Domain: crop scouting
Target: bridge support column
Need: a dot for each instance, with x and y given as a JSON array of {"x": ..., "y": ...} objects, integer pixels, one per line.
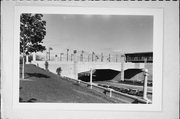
[
  {"x": 145, "y": 84},
  {"x": 110, "y": 92}
]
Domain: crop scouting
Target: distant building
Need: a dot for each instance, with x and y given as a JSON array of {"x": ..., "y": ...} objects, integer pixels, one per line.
[{"x": 140, "y": 57}]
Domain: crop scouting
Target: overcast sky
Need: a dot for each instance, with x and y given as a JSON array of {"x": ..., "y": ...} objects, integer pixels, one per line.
[{"x": 99, "y": 33}]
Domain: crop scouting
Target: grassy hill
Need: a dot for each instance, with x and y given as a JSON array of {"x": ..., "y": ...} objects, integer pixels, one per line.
[{"x": 44, "y": 86}]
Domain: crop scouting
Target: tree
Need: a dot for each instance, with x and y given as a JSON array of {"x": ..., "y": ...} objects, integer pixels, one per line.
[{"x": 32, "y": 32}]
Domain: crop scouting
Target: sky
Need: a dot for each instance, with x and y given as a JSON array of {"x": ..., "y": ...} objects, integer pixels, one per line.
[{"x": 99, "y": 33}]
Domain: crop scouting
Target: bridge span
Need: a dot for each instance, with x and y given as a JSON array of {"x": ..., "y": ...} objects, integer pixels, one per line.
[{"x": 71, "y": 69}]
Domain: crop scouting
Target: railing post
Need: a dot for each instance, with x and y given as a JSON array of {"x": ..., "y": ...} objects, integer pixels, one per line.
[
  {"x": 145, "y": 84},
  {"x": 110, "y": 92}
]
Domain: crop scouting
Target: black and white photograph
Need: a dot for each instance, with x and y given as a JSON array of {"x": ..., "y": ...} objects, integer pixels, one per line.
[
  {"x": 76, "y": 60},
  {"x": 70, "y": 58}
]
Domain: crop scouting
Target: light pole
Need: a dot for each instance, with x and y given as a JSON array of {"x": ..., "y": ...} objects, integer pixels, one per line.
[
  {"x": 101, "y": 57},
  {"x": 67, "y": 54},
  {"x": 82, "y": 55},
  {"x": 109, "y": 57},
  {"x": 61, "y": 54},
  {"x": 93, "y": 56},
  {"x": 122, "y": 67},
  {"x": 75, "y": 65},
  {"x": 116, "y": 57},
  {"x": 49, "y": 52},
  {"x": 71, "y": 57}
]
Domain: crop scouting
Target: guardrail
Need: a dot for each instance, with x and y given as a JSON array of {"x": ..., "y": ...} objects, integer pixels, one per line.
[{"x": 111, "y": 92}]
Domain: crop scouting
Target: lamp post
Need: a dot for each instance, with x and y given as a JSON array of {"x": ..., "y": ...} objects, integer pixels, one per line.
[
  {"x": 122, "y": 67},
  {"x": 67, "y": 54},
  {"x": 109, "y": 57},
  {"x": 49, "y": 52},
  {"x": 71, "y": 57},
  {"x": 61, "y": 54},
  {"x": 101, "y": 57},
  {"x": 75, "y": 65},
  {"x": 93, "y": 56},
  {"x": 116, "y": 57},
  {"x": 82, "y": 55}
]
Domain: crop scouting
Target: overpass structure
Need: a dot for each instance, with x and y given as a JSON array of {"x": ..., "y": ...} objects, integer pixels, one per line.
[{"x": 71, "y": 69}]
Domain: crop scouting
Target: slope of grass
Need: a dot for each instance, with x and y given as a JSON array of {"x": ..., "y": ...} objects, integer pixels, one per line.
[{"x": 44, "y": 86}]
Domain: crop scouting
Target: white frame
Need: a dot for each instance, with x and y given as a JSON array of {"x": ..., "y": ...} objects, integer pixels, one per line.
[{"x": 157, "y": 58}]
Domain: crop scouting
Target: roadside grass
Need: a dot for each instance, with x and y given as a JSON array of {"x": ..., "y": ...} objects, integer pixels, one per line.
[{"x": 40, "y": 85}]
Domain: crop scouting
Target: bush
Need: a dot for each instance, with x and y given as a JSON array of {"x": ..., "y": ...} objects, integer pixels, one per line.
[
  {"x": 46, "y": 65},
  {"x": 58, "y": 71}
]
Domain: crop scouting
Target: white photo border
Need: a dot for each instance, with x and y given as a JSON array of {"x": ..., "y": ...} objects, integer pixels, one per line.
[{"x": 157, "y": 58}]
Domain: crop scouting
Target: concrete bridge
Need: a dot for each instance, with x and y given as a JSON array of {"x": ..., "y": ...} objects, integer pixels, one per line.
[{"x": 71, "y": 69}]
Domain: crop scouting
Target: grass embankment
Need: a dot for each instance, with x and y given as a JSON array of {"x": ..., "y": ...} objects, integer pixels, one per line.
[{"x": 44, "y": 86}]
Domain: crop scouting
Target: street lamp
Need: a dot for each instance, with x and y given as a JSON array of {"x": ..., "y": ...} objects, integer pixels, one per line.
[
  {"x": 67, "y": 54},
  {"x": 49, "y": 52},
  {"x": 61, "y": 54},
  {"x": 122, "y": 66}
]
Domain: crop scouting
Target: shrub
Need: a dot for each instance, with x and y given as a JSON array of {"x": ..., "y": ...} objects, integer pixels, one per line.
[
  {"x": 46, "y": 65},
  {"x": 58, "y": 71}
]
